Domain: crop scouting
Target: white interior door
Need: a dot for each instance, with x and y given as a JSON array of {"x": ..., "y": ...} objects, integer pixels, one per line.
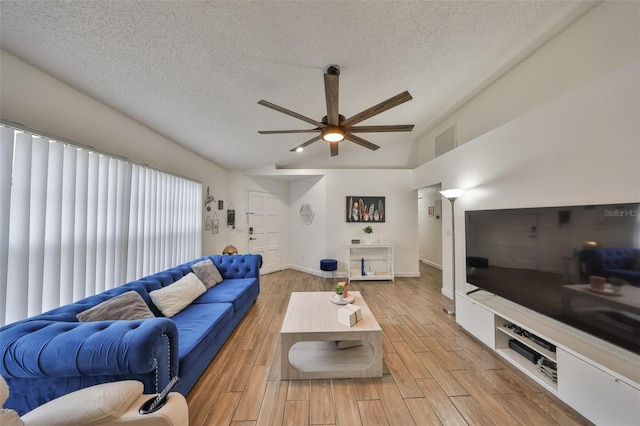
[
  {"x": 513, "y": 239},
  {"x": 264, "y": 217}
]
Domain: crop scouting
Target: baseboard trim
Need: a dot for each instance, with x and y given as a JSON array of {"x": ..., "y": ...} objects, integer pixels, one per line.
[
  {"x": 317, "y": 272},
  {"x": 338, "y": 274},
  {"x": 432, "y": 264}
]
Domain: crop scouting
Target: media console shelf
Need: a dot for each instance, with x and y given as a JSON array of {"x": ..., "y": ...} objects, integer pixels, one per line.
[
  {"x": 599, "y": 380},
  {"x": 378, "y": 258},
  {"x": 505, "y": 335}
]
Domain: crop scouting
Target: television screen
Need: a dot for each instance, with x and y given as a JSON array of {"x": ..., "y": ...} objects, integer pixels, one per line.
[{"x": 577, "y": 264}]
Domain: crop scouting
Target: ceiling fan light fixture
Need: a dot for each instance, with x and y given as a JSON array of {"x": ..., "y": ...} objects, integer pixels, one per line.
[
  {"x": 333, "y": 134},
  {"x": 333, "y": 128},
  {"x": 299, "y": 149}
]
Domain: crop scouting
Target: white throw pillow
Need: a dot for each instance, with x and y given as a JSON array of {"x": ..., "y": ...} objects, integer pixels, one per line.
[{"x": 177, "y": 296}]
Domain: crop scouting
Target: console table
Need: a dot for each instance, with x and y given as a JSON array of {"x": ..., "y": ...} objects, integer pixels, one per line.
[{"x": 378, "y": 258}]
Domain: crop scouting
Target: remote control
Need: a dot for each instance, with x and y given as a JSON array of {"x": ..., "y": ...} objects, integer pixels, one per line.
[{"x": 156, "y": 403}]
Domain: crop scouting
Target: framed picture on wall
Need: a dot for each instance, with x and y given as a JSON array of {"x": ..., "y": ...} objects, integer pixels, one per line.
[
  {"x": 366, "y": 209},
  {"x": 430, "y": 211}
]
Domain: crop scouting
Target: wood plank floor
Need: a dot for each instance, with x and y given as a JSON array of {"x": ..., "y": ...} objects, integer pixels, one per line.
[{"x": 435, "y": 373}]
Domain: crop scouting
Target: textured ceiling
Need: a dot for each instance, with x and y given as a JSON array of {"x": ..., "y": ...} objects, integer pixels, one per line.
[{"x": 194, "y": 71}]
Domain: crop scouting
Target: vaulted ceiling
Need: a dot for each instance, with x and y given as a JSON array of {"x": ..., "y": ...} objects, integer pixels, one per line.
[{"x": 194, "y": 71}]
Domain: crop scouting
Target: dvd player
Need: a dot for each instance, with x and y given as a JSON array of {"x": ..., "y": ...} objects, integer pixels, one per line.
[{"x": 524, "y": 350}]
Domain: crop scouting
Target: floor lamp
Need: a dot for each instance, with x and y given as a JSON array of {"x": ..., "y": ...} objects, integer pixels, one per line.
[{"x": 452, "y": 195}]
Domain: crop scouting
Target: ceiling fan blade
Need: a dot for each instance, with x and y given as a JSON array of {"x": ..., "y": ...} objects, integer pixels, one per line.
[
  {"x": 309, "y": 142},
  {"x": 331, "y": 94},
  {"x": 377, "y": 109},
  {"x": 334, "y": 148},
  {"x": 373, "y": 129},
  {"x": 361, "y": 142},
  {"x": 273, "y": 132},
  {"x": 290, "y": 113}
]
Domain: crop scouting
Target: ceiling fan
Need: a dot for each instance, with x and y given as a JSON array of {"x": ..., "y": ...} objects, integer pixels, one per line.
[{"x": 334, "y": 127}]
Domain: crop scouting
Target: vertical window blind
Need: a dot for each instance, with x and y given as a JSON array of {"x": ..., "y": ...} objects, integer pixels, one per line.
[{"x": 74, "y": 222}]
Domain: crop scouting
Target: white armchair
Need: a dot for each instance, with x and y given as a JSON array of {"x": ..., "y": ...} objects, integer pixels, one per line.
[{"x": 114, "y": 403}]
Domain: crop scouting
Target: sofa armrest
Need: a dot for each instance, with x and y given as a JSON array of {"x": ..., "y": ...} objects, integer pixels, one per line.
[
  {"x": 104, "y": 403},
  {"x": 68, "y": 349}
]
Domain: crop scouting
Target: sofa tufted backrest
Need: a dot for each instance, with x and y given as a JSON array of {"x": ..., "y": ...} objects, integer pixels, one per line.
[
  {"x": 617, "y": 257},
  {"x": 238, "y": 266},
  {"x": 230, "y": 266}
]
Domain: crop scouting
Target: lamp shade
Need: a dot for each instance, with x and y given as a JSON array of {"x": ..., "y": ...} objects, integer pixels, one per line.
[
  {"x": 452, "y": 194},
  {"x": 333, "y": 134}
]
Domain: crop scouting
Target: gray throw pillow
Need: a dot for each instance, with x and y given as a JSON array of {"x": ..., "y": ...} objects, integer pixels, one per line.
[
  {"x": 127, "y": 306},
  {"x": 207, "y": 272}
]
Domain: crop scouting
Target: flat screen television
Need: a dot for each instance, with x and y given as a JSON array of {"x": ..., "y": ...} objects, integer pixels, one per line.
[{"x": 554, "y": 261}]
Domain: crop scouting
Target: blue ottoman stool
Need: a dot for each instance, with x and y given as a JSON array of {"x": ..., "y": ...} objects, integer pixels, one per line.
[{"x": 329, "y": 265}]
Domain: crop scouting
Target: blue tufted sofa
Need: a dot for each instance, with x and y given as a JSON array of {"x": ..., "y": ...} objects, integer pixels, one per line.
[
  {"x": 52, "y": 354},
  {"x": 621, "y": 262}
]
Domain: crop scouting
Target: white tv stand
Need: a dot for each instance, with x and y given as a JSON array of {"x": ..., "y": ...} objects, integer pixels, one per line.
[{"x": 599, "y": 380}]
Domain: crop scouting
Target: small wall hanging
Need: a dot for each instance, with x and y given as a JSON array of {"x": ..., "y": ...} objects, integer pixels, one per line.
[
  {"x": 208, "y": 200},
  {"x": 220, "y": 204},
  {"x": 215, "y": 226},
  {"x": 231, "y": 216},
  {"x": 306, "y": 214},
  {"x": 208, "y": 224}
]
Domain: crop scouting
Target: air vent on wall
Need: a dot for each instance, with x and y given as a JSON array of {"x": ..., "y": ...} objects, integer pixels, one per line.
[{"x": 446, "y": 141}]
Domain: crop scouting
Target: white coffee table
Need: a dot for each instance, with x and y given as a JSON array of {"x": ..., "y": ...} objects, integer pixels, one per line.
[{"x": 309, "y": 334}]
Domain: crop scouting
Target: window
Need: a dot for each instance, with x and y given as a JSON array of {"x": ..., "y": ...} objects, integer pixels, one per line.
[{"x": 75, "y": 222}]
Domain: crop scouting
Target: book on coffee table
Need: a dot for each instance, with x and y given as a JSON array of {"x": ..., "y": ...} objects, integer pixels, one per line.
[{"x": 346, "y": 344}]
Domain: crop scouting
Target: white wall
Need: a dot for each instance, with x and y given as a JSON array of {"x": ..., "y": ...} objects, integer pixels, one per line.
[
  {"x": 327, "y": 191},
  {"x": 602, "y": 41},
  {"x": 39, "y": 101},
  {"x": 308, "y": 242},
  {"x": 238, "y": 186},
  {"x": 430, "y": 227},
  {"x": 401, "y": 214}
]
